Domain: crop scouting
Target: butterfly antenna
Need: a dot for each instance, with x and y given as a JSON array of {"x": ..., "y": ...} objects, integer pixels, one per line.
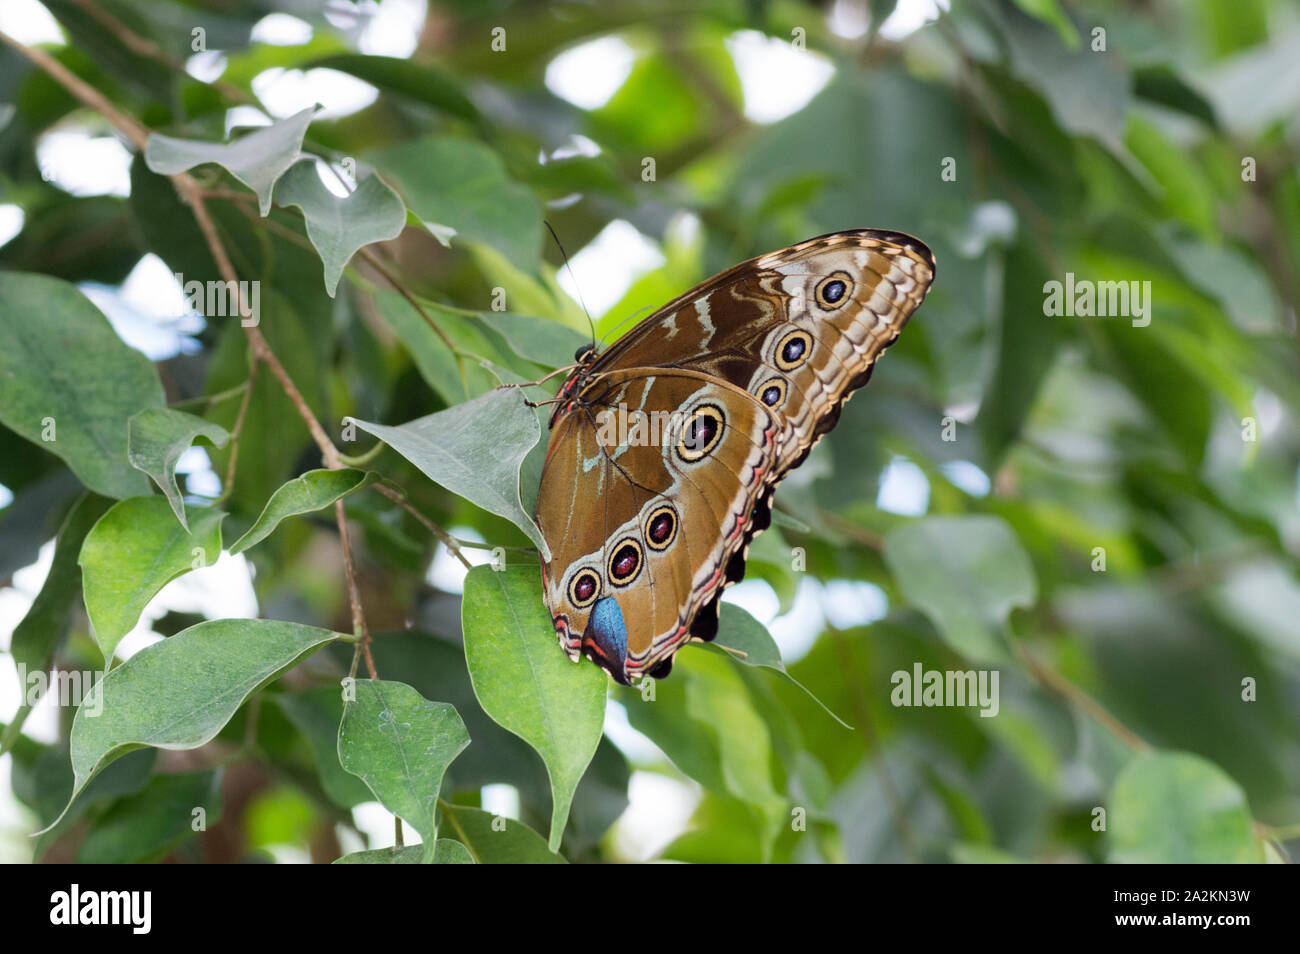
[
  {"x": 622, "y": 324},
  {"x": 574, "y": 278}
]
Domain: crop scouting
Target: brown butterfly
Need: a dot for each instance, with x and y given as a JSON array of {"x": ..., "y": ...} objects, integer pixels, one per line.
[{"x": 665, "y": 449}]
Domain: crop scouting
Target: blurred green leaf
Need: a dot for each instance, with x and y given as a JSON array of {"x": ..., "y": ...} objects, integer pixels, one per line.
[
  {"x": 539, "y": 340},
  {"x": 147, "y": 825},
  {"x": 1050, "y": 12},
  {"x": 1175, "y": 808},
  {"x": 457, "y": 375},
  {"x": 719, "y": 703},
  {"x": 419, "y": 81},
  {"x": 966, "y": 573},
  {"x": 316, "y": 713},
  {"x": 463, "y": 185},
  {"x": 747, "y": 640},
  {"x": 36, "y": 637}
]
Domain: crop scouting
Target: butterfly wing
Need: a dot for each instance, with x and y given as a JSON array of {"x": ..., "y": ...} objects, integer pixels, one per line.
[
  {"x": 774, "y": 347},
  {"x": 643, "y": 510},
  {"x": 781, "y": 327}
]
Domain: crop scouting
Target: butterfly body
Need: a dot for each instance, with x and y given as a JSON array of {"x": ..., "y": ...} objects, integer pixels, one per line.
[{"x": 666, "y": 448}]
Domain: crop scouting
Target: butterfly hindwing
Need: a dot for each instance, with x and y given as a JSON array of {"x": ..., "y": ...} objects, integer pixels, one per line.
[
  {"x": 652, "y": 519},
  {"x": 746, "y": 372}
]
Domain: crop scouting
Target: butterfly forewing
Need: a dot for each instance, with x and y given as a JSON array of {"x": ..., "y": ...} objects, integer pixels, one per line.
[{"x": 660, "y": 467}]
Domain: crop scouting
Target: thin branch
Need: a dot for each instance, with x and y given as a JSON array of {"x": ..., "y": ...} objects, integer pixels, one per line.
[
  {"x": 447, "y": 539},
  {"x": 238, "y": 429},
  {"x": 375, "y": 263},
  {"x": 1055, "y": 681},
  {"x": 856, "y": 533},
  {"x": 83, "y": 91},
  {"x": 354, "y": 593},
  {"x": 207, "y": 400},
  {"x": 148, "y": 49}
]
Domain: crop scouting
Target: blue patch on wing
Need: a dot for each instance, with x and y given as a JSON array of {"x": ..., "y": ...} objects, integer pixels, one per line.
[{"x": 607, "y": 631}]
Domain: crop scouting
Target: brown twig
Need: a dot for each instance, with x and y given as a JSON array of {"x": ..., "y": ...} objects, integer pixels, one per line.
[
  {"x": 82, "y": 90},
  {"x": 855, "y": 532},
  {"x": 1048, "y": 677},
  {"x": 374, "y": 262},
  {"x": 148, "y": 49},
  {"x": 447, "y": 539},
  {"x": 238, "y": 429},
  {"x": 354, "y": 593}
]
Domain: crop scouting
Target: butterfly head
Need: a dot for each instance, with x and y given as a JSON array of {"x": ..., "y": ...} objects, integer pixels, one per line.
[{"x": 583, "y": 359}]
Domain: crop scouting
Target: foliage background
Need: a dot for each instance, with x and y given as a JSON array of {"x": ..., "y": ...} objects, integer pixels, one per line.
[{"x": 1121, "y": 688}]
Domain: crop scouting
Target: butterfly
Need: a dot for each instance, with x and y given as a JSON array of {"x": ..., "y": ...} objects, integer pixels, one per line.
[{"x": 665, "y": 449}]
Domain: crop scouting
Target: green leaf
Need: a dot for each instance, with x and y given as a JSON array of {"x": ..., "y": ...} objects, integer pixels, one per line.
[
  {"x": 149, "y": 824},
  {"x": 474, "y": 450},
  {"x": 509, "y": 843},
  {"x": 133, "y": 552},
  {"x": 1177, "y": 808},
  {"x": 749, "y": 642},
  {"x": 306, "y": 493},
  {"x": 539, "y": 340},
  {"x": 1025, "y": 351},
  {"x": 526, "y": 683},
  {"x": 664, "y": 720},
  {"x": 1255, "y": 88},
  {"x": 446, "y": 852},
  {"x": 1050, "y": 12},
  {"x": 420, "y": 81},
  {"x": 178, "y": 694},
  {"x": 338, "y": 227},
  {"x": 316, "y": 713},
  {"x": 966, "y": 573},
  {"x": 400, "y": 745},
  {"x": 718, "y": 701},
  {"x": 51, "y": 781},
  {"x": 456, "y": 375},
  {"x": 37, "y": 635},
  {"x": 463, "y": 184},
  {"x": 68, "y": 383},
  {"x": 1088, "y": 93},
  {"x": 969, "y": 853},
  {"x": 258, "y": 159},
  {"x": 156, "y": 439}
]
